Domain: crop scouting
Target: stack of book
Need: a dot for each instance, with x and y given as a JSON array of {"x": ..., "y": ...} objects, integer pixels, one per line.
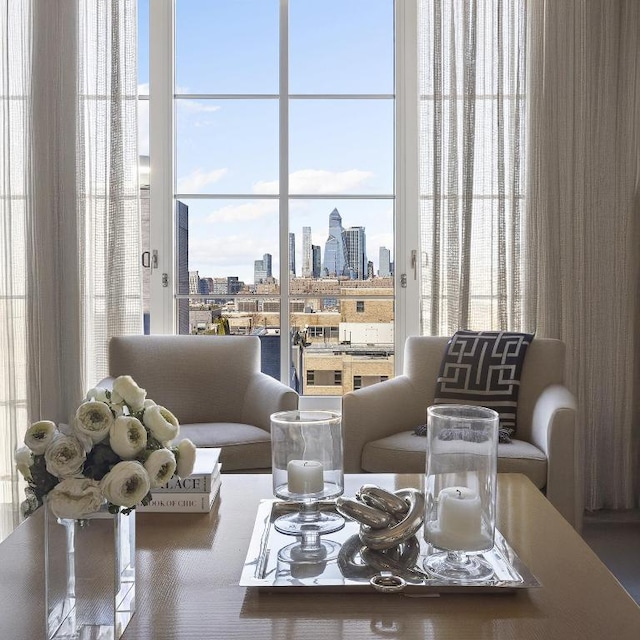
[{"x": 194, "y": 494}]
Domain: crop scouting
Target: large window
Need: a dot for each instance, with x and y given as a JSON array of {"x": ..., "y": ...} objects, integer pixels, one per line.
[
  {"x": 333, "y": 175},
  {"x": 277, "y": 151}
]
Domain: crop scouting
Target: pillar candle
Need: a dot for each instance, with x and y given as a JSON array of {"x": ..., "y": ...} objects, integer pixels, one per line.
[
  {"x": 459, "y": 523},
  {"x": 305, "y": 476}
]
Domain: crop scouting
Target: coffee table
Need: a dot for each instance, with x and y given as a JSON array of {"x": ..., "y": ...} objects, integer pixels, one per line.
[{"x": 189, "y": 566}]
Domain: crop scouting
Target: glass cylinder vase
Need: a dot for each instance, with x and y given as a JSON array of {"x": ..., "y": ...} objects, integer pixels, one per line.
[
  {"x": 460, "y": 490},
  {"x": 90, "y": 575}
]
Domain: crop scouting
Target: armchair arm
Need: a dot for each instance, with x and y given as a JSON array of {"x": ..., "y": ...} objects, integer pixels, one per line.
[
  {"x": 554, "y": 430},
  {"x": 266, "y": 395},
  {"x": 378, "y": 411}
]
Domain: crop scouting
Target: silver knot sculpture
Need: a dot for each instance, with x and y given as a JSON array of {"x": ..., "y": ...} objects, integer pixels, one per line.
[{"x": 386, "y": 519}]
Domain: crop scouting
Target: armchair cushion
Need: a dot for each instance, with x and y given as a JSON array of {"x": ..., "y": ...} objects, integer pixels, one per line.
[
  {"x": 484, "y": 368},
  {"x": 245, "y": 447}
]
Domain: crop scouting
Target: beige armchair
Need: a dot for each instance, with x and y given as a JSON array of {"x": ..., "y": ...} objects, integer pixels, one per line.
[
  {"x": 378, "y": 422},
  {"x": 214, "y": 386}
]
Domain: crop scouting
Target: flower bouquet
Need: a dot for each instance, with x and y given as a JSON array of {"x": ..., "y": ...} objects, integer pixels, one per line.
[{"x": 116, "y": 451}]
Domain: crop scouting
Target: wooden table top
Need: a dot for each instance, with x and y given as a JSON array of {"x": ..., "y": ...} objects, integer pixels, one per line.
[{"x": 189, "y": 566}]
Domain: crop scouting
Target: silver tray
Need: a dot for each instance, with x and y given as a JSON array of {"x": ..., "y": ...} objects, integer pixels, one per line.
[{"x": 349, "y": 572}]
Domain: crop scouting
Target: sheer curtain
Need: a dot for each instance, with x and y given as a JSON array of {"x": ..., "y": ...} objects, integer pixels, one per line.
[
  {"x": 583, "y": 211},
  {"x": 69, "y": 220},
  {"x": 472, "y": 139}
]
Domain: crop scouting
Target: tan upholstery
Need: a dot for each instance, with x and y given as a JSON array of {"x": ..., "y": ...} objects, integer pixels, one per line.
[
  {"x": 214, "y": 386},
  {"x": 378, "y": 422}
]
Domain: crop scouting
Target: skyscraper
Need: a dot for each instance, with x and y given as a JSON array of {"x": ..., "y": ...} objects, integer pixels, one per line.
[
  {"x": 194, "y": 282},
  {"x": 262, "y": 269},
  {"x": 259, "y": 272},
  {"x": 182, "y": 274},
  {"x": 356, "y": 245},
  {"x": 307, "y": 257},
  {"x": 317, "y": 260},
  {"x": 384, "y": 262},
  {"x": 335, "y": 251},
  {"x": 292, "y": 254},
  {"x": 267, "y": 259}
]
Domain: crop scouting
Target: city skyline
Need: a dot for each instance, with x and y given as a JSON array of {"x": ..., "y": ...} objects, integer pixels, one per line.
[{"x": 352, "y": 263}]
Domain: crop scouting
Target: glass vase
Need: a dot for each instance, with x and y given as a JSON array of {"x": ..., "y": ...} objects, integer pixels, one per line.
[
  {"x": 90, "y": 575},
  {"x": 460, "y": 490}
]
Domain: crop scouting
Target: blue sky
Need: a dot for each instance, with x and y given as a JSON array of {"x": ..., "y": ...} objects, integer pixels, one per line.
[{"x": 229, "y": 146}]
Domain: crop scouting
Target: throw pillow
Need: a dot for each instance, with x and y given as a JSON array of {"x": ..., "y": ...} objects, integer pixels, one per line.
[{"x": 484, "y": 368}]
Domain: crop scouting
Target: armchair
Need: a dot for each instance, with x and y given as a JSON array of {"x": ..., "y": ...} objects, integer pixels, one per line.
[
  {"x": 378, "y": 422},
  {"x": 213, "y": 385}
]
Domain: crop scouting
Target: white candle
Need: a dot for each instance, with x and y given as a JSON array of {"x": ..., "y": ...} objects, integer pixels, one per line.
[
  {"x": 459, "y": 523},
  {"x": 305, "y": 476}
]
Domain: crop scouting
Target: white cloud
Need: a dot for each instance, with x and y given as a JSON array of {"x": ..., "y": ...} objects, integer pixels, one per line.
[
  {"x": 199, "y": 179},
  {"x": 246, "y": 211},
  {"x": 317, "y": 182},
  {"x": 194, "y": 106},
  {"x": 223, "y": 251},
  {"x": 221, "y": 255},
  {"x": 377, "y": 240}
]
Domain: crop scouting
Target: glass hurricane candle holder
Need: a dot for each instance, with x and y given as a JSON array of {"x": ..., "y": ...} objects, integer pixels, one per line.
[
  {"x": 307, "y": 467},
  {"x": 460, "y": 490}
]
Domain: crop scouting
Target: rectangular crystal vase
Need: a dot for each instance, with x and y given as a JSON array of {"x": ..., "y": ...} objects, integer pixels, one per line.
[{"x": 90, "y": 575}]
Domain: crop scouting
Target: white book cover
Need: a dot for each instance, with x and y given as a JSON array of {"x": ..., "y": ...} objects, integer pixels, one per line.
[
  {"x": 183, "y": 501},
  {"x": 205, "y": 470}
]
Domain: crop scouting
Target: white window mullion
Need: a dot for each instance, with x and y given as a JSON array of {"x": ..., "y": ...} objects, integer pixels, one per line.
[
  {"x": 407, "y": 231},
  {"x": 285, "y": 322},
  {"x": 161, "y": 158}
]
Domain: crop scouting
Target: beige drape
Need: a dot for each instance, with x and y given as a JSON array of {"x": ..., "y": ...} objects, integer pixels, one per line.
[
  {"x": 530, "y": 198},
  {"x": 583, "y": 215},
  {"x": 69, "y": 220},
  {"x": 472, "y": 136}
]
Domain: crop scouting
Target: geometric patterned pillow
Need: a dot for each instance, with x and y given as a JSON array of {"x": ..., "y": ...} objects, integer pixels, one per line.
[{"x": 484, "y": 368}]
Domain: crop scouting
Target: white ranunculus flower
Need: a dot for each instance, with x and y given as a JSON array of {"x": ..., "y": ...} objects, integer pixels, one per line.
[
  {"x": 118, "y": 410},
  {"x": 186, "y": 456},
  {"x": 93, "y": 420},
  {"x": 39, "y": 435},
  {"x": 127, "y": 437},
  {"x": 148, "y": 402},
  {"x": 125, "y": 389},
  {"x": 75, "y": 498},
  {"x": 160, "y": 465},
  {"x": 97, "y": 393},
  {"x": 161, "y": 422},
  {"x": 24, "y": 459},
  {"x": 126, "y": 484},
  {"x": 65, "y": 457}
]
